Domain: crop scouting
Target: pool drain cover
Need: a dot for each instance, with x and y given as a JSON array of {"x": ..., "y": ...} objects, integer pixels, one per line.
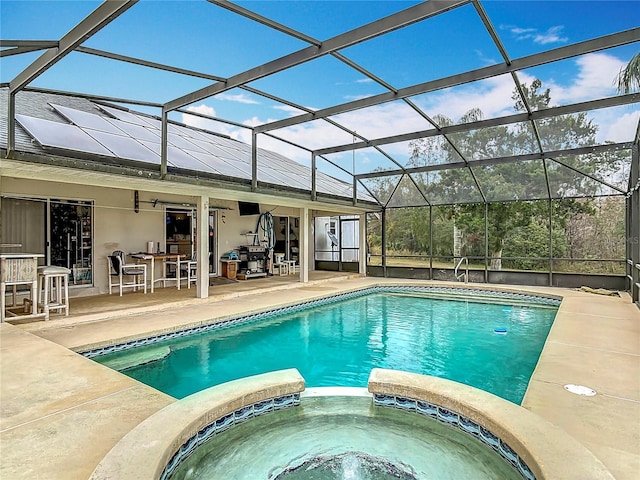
[
  {"x": 580, "y": 390},
  {"x": 356, "y": 465}
]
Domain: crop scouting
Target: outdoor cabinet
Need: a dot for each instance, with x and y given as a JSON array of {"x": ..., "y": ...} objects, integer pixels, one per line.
[{"x": 230, "y": 269}]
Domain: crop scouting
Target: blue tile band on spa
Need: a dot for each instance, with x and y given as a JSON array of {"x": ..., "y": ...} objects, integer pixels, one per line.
[
  {"x": 454, "y": 293},
  {"x": 461, "y": 422},
  {"x": 224, "y": 423}
]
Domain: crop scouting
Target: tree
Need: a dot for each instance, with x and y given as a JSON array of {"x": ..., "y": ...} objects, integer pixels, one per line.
[
  {"x": 628, "y": 78},
  {"x": 506, "y": 184}
]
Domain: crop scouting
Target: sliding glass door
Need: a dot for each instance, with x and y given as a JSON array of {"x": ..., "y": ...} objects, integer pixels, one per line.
[
  {"x": 71, "y": 237},
  {"x": 61, "y": 230}
]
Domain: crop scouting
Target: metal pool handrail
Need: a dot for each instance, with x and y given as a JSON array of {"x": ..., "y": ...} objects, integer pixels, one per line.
[{"x": 466, "y": 273}]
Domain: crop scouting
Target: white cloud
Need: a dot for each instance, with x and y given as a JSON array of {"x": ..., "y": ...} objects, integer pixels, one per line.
[
  {"x": 484, "y": 59},
  {"x": 356, "y": 97},
  {"x": 253, "y": 121},
  {"x": 551, "y": 35},
  {"x": 619, "y": 128},
  {"x": 203, "y": 109},
  {"x": 492, "y": 96},
  {"x": 292, "y": 111},
  {"x": 594, "y": 79},
  {"x": 203, "y": 123},
  {"x": 521, "y": 31},
  {"x": 239, "y": 97}
]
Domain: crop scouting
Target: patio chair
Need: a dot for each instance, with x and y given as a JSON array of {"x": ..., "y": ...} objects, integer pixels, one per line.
[
  {"x": 118, "y": 269},
  {"x": 192, "y": 271},
  {"x": 188, "y": 269}
]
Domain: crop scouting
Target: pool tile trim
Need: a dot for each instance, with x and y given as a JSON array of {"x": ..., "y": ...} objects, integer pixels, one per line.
[
  {"x": 224, "y": 423},
  {"x": 526, "y": 441},
  {"x": 452, "y": 293},
  {"x": 462, "y": 423}
]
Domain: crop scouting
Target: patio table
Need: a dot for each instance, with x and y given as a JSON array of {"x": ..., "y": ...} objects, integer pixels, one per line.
[{"x": 151, "y": 258}]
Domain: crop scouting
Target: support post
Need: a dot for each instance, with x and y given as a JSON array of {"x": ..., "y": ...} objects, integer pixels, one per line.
[
  {"x": 11, "y": 124},
  {"x": 254, "y": 161},
  {"x": 384, "y": 242},
  {"x": 363, "y": 245},
  {"x": 550, "y": 242},
  {"x": 202, "y": 282},
  {"x": 304, "y": 252},
  {"x": 164, "y": 144}
]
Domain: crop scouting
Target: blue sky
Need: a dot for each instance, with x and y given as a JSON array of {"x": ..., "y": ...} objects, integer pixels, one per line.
[{"x": 197, "y": 35}]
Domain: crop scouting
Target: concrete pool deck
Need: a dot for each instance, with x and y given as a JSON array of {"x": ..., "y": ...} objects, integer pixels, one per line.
[{"x": 60, "y": 413}]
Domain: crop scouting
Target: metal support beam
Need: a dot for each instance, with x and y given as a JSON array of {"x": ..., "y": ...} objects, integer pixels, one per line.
[
  {"x": 362, "y": 245},
  {"x": 92, "y": 97},
  {"x": 313, "y": 177},
  {"x": 164, "y": 144},
  {"x": 486, "y": 242},
  {"x": 491, "y": 122},
  {"x": 19, "y": 50},
  {"x": 633, "y": 225},
  {"x": 383, "y": 241},
  {"x": 430, "y": 242},
  {"x": 500, "y": 160},
  {"x": 254, "y": 161},
  {"x": 101, "y": 16},
  {"x": 374, "y": 29},
  {"x": 550, "y": 243},
  {"x": 11, "y": 124},
  {"x": 588, "y": 46}
]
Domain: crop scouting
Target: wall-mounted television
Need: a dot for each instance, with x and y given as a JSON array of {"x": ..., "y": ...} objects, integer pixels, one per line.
[{"x": 248, "y": 208}]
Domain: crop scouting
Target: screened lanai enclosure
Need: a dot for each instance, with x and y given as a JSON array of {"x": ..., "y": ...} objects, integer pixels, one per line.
[{"x": 486, "y": 141}]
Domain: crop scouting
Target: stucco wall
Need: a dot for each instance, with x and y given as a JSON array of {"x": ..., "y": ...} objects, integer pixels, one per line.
[{"x": 116, "y": 225}]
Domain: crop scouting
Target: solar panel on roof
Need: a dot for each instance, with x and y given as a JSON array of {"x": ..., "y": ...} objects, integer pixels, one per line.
[
  {"x": 182, "y": 131},
  {"x": 125, "y": 116},
  {"x": 131, "y": 137},
  {"x": 218, "y": 164},
  {"x": 125, "y": 147},
  {"x": 199, "y": 135},
  {"x": 228, "y": 143},
  {"x": 181, "y": 159},
  {"x": 61, "y": 135},
  {"x": 181, "y": 142},
  {"x": 136, "y": 131},
  {"x": 86, "y": 120},
  {"x": 211, "y": 148},
  {"x": 234, "y": 155},
  {"x": 272, "y": 176}
]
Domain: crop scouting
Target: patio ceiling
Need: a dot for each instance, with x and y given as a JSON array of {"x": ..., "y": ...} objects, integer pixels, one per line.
[{"x": 437, "y": 123}]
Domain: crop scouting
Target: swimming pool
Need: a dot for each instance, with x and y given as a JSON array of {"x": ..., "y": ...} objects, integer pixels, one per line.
[{"x": 338, "y": 341}]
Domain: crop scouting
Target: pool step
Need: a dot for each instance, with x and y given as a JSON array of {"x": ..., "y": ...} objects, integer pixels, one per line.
[{"x": 137, "y": 359}]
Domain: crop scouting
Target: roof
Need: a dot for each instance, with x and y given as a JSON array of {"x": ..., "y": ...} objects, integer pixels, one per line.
[
  {"x": 77, "y": 127},
  {"x": 417, "y": 103}
]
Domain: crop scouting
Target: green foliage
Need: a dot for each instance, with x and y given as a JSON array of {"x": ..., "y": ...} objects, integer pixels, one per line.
[
  {"x": 628, "y": 79},
  {"x": 517, "y": 224}
]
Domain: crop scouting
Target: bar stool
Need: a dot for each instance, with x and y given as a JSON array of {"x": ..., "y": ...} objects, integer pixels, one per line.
[
  {"x": 291, "y": 267},
  {"x": 281, "y": 268},
  {"x": 53, "y": 285}
]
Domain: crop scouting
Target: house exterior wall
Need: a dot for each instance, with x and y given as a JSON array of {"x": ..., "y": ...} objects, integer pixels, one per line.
[{"x": 117, "y": 226}]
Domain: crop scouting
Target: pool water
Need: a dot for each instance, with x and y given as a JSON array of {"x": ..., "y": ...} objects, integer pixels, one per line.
[
  {"x": 339, "y": 343},
  {"x": 344, "y": 438}
]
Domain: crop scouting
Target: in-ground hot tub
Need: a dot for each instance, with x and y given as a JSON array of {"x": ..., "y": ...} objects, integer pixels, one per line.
[{"x": 446, "y": 419}]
